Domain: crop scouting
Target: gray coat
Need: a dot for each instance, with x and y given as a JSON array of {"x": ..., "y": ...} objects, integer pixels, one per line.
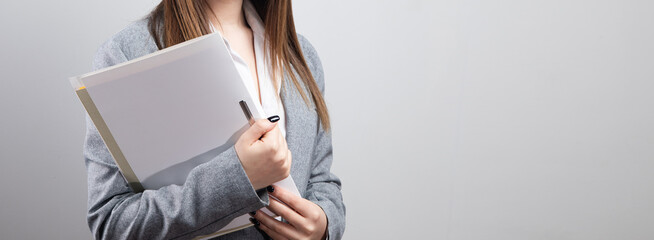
[{"x": 214, "y": 192}]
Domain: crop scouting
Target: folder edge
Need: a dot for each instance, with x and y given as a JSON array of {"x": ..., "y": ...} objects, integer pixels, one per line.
[
  {"x": 109, "y": 140},
  {"x": 220, "y": 233}
]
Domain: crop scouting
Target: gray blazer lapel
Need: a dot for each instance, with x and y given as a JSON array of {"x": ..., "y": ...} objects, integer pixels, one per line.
[{"x": 301, "y": 130}]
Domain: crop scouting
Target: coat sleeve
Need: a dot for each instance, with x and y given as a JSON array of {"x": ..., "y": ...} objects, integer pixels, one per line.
[
  {"x": 324, "y": 187},
  {"x": 214, "y": 193}
]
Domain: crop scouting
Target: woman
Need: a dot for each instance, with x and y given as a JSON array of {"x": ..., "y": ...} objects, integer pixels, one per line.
[{"x": 286, "y": 76}]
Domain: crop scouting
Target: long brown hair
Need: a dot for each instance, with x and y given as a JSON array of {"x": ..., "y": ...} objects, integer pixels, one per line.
[{"x": 187, "y": 19}]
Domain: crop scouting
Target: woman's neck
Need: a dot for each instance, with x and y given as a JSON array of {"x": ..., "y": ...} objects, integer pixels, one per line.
[{"x": 228, "y": 15}]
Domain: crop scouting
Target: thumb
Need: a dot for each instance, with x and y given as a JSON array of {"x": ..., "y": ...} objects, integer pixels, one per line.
[{"x": 259, "y": 128}]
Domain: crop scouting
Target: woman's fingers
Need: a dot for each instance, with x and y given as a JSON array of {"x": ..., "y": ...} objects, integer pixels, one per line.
[
  {"x": 297, "y": 203},
  {"x": 263, "y": 152},
  {"x": 272, "y": 137},
  {"x": 281, "y": 228},
  {"x": 286, "y": 212},
  {"x": 306, "y": 219},
  {"x": 272, "y": 234},
  {"x": 257, "y": 130}
]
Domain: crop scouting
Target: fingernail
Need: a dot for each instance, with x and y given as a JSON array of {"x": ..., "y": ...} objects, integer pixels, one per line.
[
  {"x": 255, "y": 222},
  {"x": 270, "y": 189},
  {"x": 274, "y": 118},
  {"x": 252, "y": 213}
]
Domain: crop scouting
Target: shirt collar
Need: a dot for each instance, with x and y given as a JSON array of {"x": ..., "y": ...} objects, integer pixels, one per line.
[
  {"x": 258, "y": 30},
  {"x": 253, "y": 19}
]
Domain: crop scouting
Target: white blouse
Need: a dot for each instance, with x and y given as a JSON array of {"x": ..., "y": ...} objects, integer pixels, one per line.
[{"x": 270, "y": 98}]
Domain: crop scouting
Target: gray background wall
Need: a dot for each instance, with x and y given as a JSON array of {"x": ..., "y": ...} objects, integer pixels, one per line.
[{"x": 466, "y": 119}]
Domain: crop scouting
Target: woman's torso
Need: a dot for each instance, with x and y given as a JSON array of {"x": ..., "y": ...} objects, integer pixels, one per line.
[{"x": 301, "y": 120}]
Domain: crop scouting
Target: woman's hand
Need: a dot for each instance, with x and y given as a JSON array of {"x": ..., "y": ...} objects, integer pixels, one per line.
[
  {"x": 263, "y": 153},
  {"x": 307, "y": 220}
]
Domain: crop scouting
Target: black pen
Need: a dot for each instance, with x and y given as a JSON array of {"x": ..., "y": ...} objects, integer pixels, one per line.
[{"x": 246, "y": 111}]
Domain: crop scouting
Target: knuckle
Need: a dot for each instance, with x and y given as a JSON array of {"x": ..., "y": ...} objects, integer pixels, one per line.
[
  {"x": 315, "y": 215},
  {"x": 270, "y": 149},
  {"x": 275, "y": 227},
  {"x": 310, "y": 228},
  {"x": 279, "y": 165},
  {"x": 283, "y": 154},
  {"x": 276, "y": 156},
  {"x": 274, "y": 145}
]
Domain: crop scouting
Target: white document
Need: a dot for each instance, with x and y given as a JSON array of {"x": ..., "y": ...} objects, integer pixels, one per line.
[{"x": 165, "y": 113}]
